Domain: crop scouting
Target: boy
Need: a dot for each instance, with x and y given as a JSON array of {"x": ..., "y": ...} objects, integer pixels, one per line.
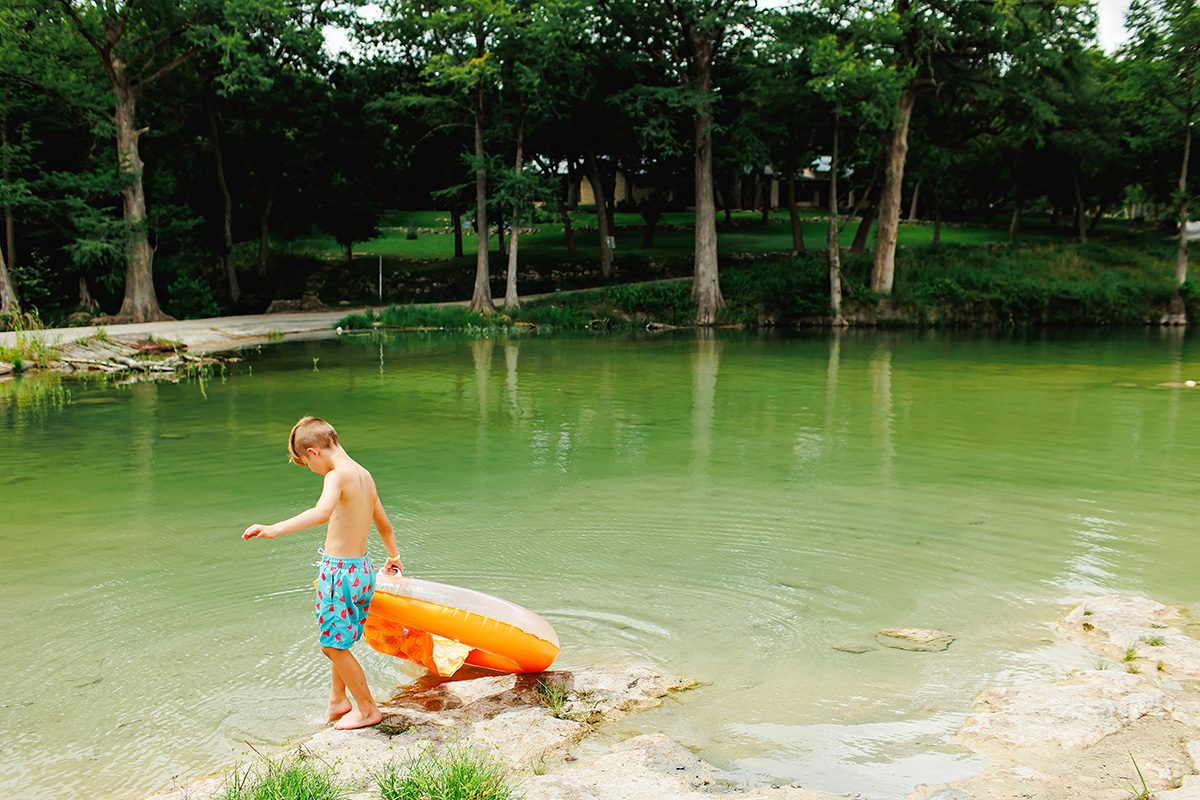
[{"x": 345, "y": 579}]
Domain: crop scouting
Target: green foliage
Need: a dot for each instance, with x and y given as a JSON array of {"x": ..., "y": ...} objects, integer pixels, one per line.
[
  {"x": 30, "y": 347},
  {"x": 460, "y": 772},
  {"x": 453, "y": 317},
  {"x": 1100, "y": 284},
  {"x": 191, "y": 296},
  {"x": 295, "y": 778}
]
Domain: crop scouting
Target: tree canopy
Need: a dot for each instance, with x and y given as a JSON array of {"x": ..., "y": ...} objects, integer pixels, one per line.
[{"x": 152, "y": 152}]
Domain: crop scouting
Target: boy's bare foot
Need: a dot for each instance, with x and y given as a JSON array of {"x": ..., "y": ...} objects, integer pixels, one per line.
[
  {"x": 356, "y": 719},
  {"x": 337, "y": 709}
]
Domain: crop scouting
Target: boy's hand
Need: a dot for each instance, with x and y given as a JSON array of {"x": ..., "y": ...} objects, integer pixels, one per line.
[
  {"x": 393, "y": 566},
  {"x": 257, "y": 531}
]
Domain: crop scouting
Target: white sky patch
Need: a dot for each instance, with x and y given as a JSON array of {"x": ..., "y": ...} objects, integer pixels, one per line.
[{"x": 1111, "y": 31}]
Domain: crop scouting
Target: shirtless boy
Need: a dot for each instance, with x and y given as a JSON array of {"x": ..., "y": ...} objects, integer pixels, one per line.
[{"x": 345, "y": 578}]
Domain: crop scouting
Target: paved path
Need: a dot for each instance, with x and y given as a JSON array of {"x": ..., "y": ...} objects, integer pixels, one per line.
[{"x": 207, "y": 335}]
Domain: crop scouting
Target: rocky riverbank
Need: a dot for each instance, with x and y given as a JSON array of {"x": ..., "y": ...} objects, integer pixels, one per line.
[
  {"x": 511, "y": 719},
  {"x": 137, "y": 357},
  {"x": 1090, "y": 733},
  {"x": 1084, "y": 735}
]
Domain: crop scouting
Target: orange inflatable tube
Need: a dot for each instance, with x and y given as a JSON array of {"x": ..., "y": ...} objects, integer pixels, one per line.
[{"x": 408, "y": 615}]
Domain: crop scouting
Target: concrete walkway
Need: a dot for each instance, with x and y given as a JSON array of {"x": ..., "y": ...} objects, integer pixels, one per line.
[{"x": 207, "y": 335}]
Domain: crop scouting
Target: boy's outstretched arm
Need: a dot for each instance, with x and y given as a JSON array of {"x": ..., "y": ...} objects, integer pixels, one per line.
[
  {"x": 317, "y": 515},
  {"x": 387, "y": 534}
]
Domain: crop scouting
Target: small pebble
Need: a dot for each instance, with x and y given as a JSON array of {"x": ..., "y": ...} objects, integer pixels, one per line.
[
  {"x": 339, "y": 330},
  {"x": 1190, "y": 384}
]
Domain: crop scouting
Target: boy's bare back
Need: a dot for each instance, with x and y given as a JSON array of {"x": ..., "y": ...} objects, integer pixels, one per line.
[{"x": 356, "y": 505}]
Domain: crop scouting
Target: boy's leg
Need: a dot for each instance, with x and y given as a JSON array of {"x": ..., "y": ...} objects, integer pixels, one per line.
[
  {"x": 355, "y": 680},
  {"x": 339, "y": 704}
]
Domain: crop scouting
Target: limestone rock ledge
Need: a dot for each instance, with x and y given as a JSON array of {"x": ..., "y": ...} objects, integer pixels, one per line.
[
  {"x": 508, "y": 715},
  {"x": 1080, "y": 736}
]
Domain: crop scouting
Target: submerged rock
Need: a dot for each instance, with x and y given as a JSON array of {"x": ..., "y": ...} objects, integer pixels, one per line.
[{"x": 919, "y": 639}]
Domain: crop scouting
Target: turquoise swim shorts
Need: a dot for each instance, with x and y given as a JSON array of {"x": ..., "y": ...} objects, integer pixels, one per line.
[{"x": 345, "y": 587}]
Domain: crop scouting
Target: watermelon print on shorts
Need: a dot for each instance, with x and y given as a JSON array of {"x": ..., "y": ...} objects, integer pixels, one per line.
[{"x": 345, "y": 587}]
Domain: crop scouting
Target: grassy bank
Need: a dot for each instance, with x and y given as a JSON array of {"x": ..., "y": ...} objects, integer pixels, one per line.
[
  {"x": 424, "y": 269},
  {"x": 1121, "y": 281}
]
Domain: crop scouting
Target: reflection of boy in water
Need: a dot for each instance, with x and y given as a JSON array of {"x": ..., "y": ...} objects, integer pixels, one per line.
[{"x": 345, "y": 579}]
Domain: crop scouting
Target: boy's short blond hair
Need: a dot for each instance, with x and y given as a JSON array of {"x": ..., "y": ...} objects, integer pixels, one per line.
[{"x": 310, "y": 432}]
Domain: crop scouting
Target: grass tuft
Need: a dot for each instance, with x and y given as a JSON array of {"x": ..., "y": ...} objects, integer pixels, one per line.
[
  {"x": 1144, "y": 793},
  {"x": 1154, "y": 641},
  {"x": 553, "y": 695},
  {"x": 460, "y": 772},
  {"x": 30, "y": 348},
  {"x": 296, "y": 778},
  {"x": 1130, "y": 653}
]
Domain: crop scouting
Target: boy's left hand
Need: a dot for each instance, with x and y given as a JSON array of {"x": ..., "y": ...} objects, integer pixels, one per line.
[{"x": 257, "y": 531}]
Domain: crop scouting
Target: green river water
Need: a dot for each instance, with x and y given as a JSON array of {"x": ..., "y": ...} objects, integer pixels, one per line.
[{"x": 727, "y": 507}]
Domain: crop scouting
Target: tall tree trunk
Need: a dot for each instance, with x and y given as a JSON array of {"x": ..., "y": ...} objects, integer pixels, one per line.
[
  {"x": 264, "y": 229},
  {"x": 1096, "y": 217},
  {"x": 564, "y": 212},
  {"x": 606, "y": 257},
  {"x": 456, "y": 224},
  {"x": 226, "y": 253},
  {"x": 794, "y": 216},
  {"x": 8, "y": 295},
  {"x": 500, "y": 222},
  {"x": 1181, "y": 254},
  {"x": 937, "y": 221},
  {"x": 1015, "y": 223},
  {"x": 86, "y": 301},
  {"x": 832, "y": 245},
  {"x": 568, "y": 230},
  {"x": 1080, "y": 214},
  {"x": 883, "y": 270},
  {"x": 859, "y": 245},
  {"x": 10, "y": 224},
  {"x": 610, "y": 197},
  {"x": 727, "y": 203},
  {"x": 766, "y": 198},
  {"x": 140, "y": 303},
  {"x": 511, "y": 300},
  {"x": 706, "y": 286},
  {"x": 912, "y": 207},
  {"x": 481, "y": 300}
]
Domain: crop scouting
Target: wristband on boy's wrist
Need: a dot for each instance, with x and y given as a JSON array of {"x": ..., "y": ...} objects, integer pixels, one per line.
[{"x": 394, "y": 558}]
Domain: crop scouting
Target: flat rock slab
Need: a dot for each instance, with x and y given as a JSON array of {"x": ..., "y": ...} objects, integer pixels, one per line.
[
  {"x": 651, "y": 767},
  {"x": 924, "y": 640},
  {"x": 1079, "y": 736},
  {"x": 1075, "y": 712},
  {"x": 1153, "y": 636}
]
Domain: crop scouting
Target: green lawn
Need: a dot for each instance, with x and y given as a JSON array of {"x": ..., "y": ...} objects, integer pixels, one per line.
[
  {"x": 424, "y": 269},
  {"x": 747, "y": 235}
]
